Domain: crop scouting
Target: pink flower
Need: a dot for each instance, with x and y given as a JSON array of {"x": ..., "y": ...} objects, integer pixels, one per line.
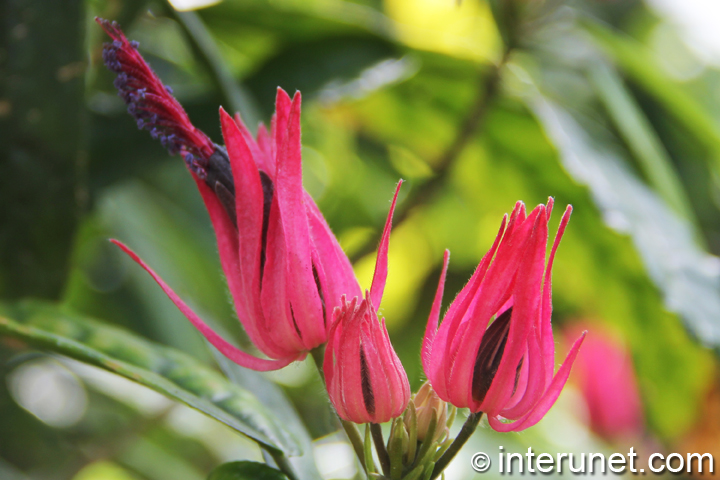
[
  {"x": 285, "y": 269},
  {"x": 606, "y": 377},
  {"x": 504, "y": 369},
  {"x": 365, "y": 380}
]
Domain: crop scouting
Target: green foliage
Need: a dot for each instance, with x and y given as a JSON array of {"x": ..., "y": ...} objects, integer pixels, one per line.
[
  {"x": 44, "y": 155},
  {"x": 167, "y": 371}
]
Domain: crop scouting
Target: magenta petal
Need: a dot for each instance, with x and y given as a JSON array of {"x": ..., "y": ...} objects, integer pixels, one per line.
[
  {"x": 495, "y": 290},
  {"x": 335, "y": 271},
  {"x": 233, "y": 353},
  {"x": 304, "y": 296},
  {"x": 527, "y": 295},
  {"x": 547, "y": 342},
  {"x": 547, "y": 400},
  {"x": 251, "y": 143},
  {"x": 264, "y": 142},
  {"x": 434, "y": 318},
  {"x": 381, "y": 264},
  {"x": 279, "y": 124}
]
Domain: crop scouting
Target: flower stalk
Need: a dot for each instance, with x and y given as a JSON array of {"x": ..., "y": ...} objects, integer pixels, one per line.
[{"x": 466, "y": 432}]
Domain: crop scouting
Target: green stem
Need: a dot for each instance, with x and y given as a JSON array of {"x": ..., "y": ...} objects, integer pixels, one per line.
[
  {"x": 283, "y": 464},
  {"x": 467, "y": 430},
  {"x": 382, "y": 452}
]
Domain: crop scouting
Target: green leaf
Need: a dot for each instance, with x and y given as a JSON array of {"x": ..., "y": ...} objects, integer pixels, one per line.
[
  {"x": 688, "y": 277},
  {"x": 237, "y": 98},
  {"x": 638, "y": 64},
  {"x": 641, "y": 138},
  {"x": 246, "y": 471},
  {"x": 170, "y": 372},
  {"x": 273, "y": 397}
]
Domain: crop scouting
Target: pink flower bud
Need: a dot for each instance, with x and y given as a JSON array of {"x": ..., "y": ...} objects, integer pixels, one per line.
[
  {"x": 504, "y": 368},
  {"x": 607, "y": 381},
  {"x": 365, "y": 380}
]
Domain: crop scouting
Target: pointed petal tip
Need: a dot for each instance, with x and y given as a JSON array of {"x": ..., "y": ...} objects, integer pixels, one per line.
[
  {"x": 124, "y": 248},
  {"x": 281, "y": 93},
  {"x": 224, "y": 115}
]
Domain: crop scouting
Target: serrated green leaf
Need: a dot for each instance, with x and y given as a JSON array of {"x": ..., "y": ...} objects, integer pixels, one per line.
[
  {"x": 165, "y": 370},
  {"x": 246, "y": 471}
]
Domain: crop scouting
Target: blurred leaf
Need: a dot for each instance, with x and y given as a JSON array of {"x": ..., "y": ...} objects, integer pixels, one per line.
[
  {"x": 688, "y": 276},
  {"x": 163, "y": 369},
  {"x": 275, "y": 400},
  {"x": 238, "y": 100},
  {"x": 308, "y": 66},
  {"x": 245, "y": 471},
  {"x": 42, "y": 70},
  {"x": 156, "y": 462},
  {"x": 637, "y": 63},
  {"x": 641, "y": 138}
]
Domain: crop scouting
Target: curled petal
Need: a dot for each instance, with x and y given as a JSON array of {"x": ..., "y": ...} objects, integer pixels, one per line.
[
  {"x": 547, "y": 400},
  {"x": 233, "y": 353}
]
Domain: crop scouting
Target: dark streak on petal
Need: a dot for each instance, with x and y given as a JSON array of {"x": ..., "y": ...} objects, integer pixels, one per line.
[
  {"x": 489, "y": 355},
  {"x": 368, "y": 396}
]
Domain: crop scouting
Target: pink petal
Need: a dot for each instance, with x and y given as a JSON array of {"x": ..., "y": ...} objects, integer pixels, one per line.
[
  {"x": 527, "y": 298},
  {"x": 243, "y": 359},
  {"x": 249, "y": 214},
  {"x": 276, "y": 303},
  {"x": 448, "y": 332},
  {"x": 381, "y": 264},
  {"x": 548, "y": 399},
  {"x": 279, "y": 125},
  {"x": 547, "y": 341},
  {"x": 252, "y": 145},
  {"x": 264, "y": 141},
  {"x": 303, "y": 293},
  {"x": 434, "y": 318},
  {"x": 524, "y": 399},
  {"x": 494, "y": 291},
  {"x": 338, "y": 269}
]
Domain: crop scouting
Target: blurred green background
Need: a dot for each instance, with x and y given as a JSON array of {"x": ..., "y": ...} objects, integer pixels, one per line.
[{"x": 611, "y": 106}]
